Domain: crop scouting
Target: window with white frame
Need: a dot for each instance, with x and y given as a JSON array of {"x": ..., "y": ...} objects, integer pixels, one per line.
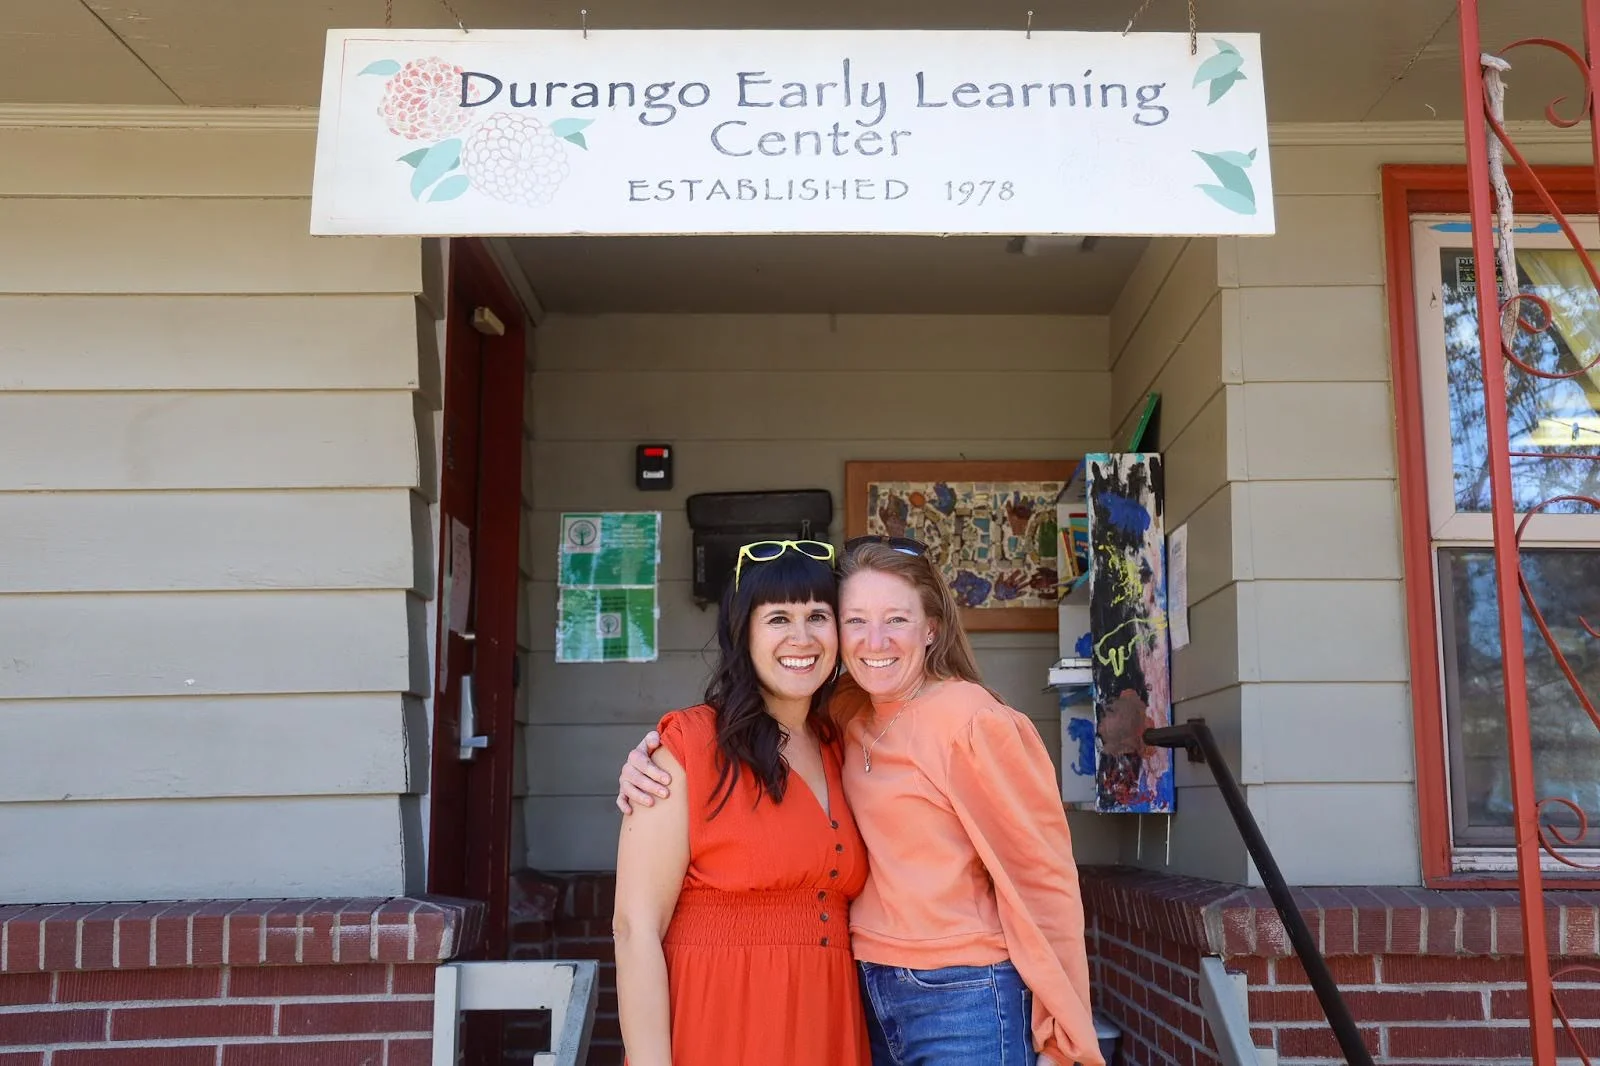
[{"x": 1554, "y": 429}]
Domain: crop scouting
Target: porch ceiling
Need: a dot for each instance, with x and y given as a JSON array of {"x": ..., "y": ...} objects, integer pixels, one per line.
[
  {"x": 1326, "y": 60},
  {"x": 794, "y": 274}
]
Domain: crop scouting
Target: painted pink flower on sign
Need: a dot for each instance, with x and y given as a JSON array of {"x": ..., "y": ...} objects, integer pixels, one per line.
[
  {"x": 423, "y": 100},
  {"x": 510, "y": 157}
]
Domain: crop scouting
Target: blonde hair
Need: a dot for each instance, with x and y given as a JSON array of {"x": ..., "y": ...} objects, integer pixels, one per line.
[{"x": 950, "y": 655}]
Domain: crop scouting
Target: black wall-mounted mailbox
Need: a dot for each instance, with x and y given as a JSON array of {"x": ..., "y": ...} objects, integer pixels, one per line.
[{"x": 723, "y": 522}]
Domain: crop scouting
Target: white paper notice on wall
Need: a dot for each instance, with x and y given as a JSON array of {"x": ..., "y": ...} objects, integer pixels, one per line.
[
  {"x": 459, "y": 600},
  {"x": 1178, "y": 585},
  {"x": 507, "y": 132}
]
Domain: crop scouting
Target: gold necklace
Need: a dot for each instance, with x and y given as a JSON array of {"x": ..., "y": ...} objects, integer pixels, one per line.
[{"x": 866, "y": 749}]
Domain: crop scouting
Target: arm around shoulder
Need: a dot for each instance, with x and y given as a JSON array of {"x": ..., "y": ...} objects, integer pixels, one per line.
[{"x": 652, "y": 858}]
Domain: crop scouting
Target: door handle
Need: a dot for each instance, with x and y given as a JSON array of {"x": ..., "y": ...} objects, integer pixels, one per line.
[{"x": 471, "y": 742}]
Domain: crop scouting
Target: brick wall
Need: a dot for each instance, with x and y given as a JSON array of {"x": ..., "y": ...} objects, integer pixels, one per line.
[
  {"x": 1429, "y": 977},
  {"x": 564, "y": 916},
  {"x": 1415, "y": 1008},
  {"x": 256, "y": 983},
  {"x": 220, "y": 1016},
  {"x": 1151, "y": 988}
]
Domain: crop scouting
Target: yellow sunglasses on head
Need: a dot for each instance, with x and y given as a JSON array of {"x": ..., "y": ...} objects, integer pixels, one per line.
[{"x": 764, "y": 551}]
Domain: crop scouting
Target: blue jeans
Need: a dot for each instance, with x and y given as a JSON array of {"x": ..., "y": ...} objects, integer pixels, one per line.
[{"x": 955, "y": 1016}]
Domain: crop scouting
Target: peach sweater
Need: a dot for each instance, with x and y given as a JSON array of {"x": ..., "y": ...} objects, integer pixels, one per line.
[{"x": 970, "y": 854}]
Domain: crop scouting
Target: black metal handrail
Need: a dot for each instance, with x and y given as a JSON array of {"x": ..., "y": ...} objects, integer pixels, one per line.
[{"x": 1195, "y": 737}]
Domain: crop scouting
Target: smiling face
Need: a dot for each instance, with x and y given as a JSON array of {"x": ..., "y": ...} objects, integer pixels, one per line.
[
  {"x": 884, "y": 634},
  {"x": 794, "y": 647}
]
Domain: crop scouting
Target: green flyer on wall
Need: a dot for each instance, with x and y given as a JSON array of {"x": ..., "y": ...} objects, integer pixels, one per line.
[
  {"x": 615, "y": 549},
  {"x": 607, "y": 608},
  {"x": 606, "y": 626}
]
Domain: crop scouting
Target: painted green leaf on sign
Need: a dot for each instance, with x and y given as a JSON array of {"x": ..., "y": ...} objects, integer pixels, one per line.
[
  {"x": 449, "y": 188},
  {"x": 1220, "y": 87},
  {"x": 1218, "y": 65},
  {"x": 1235, "y": 192},
  {"x": 384, "y": 67},
  {"x": 439, "y": 161},
  {"x": 1233, "y": 201},
  {"x": 1221, "y": 71},
  {"x": 577, "y": 139},
  {"x": 1238, "y": 159},
  {"x": 566, "y": 127},
  {"x": 413, "y": 158}
]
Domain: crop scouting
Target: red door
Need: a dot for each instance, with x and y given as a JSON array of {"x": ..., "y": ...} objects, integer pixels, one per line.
[{"x": 480, "y": 507}]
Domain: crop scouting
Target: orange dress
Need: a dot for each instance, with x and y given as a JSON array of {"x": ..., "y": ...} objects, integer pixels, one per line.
[{"x": 759, "y": 968}]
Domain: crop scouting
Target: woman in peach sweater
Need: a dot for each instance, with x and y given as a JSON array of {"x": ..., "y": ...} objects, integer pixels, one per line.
[{"x": 969, "y": 932}]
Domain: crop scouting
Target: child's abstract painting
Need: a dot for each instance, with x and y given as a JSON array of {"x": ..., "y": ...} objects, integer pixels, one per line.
[{"x": 1128, "y": 622}]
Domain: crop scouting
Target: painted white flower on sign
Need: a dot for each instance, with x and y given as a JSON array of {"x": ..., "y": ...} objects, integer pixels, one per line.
[
  {"x": 516, "y": 158},
  {"x": 512, "y": 157}
]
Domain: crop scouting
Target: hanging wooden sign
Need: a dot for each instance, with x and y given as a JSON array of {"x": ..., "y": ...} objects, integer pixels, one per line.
[{"x": 507, "y": 132}]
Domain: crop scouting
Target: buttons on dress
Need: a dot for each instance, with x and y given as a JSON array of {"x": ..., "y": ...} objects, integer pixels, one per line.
[
  {"x": 838, "y": 847},
  {"x": 824, "y": 915},
  {"x": 833, "y": 873},
  {"x": 824, "y": 941},
  {"x": 835, "y": 823},
  {"x": 823, "y": 894}
]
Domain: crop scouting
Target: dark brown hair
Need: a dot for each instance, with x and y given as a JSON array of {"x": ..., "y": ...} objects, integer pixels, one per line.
[{"x": 748, "y": 738}]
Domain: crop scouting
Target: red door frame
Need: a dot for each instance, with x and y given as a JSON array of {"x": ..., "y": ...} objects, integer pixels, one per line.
[{"x": 470, "y": 843}]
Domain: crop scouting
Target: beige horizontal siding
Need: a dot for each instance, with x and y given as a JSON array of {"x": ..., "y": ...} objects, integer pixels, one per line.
[
  {"x": 803, "y": 406},
  {"x": 1362, "y": 733},
  {"x": 1185, "y": 294},
  {"x": 1215, "y": 557},
  {"x": 1326, "y": 630},
  {"x": 1318, "y": 430},
  {"x": 207, "y": 440},
  {"x": 1320, "y": 240},
  {"x": 1341, "y": 834},
  {"x": 1141, "y": 289},
  {"x": 283, "y": 847},
  {"x": 913, "y": 343},
  {"x": 1211, "y": 662},
  {"x": 749, "y": 403},
  {"x": 220, "y": 246},
  {"x": 1311, "y": 333},
  {"x": 155, "y": 343},
  {"x": 1338, "y": 530},
  {"x": 207, "y": 541},
  {"x": 583, "y": 475},
  {"x": 211, "y": 643},
  {"x": 1340, "y": 170},
  {"x": 1202, "y": 458},
  {"x": 169, "y": 163},
  {"x": 198, "y": 747}
]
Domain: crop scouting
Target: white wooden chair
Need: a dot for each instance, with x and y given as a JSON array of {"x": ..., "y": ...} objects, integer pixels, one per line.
[{"x": 569, "y": 989}]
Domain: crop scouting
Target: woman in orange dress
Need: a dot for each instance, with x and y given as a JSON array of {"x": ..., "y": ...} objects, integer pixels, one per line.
[{"x": 733, "y": 894}]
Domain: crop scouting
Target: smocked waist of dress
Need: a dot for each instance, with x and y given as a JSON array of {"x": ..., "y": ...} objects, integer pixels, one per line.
[{"x": 800, "y": 917}]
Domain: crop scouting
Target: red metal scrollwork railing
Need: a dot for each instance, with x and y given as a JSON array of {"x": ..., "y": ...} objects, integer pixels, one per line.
[{"x": 1552, "y": 825}]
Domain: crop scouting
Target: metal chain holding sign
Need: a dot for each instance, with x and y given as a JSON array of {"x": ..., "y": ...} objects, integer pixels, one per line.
[{"x": 1194, "y": 38}]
